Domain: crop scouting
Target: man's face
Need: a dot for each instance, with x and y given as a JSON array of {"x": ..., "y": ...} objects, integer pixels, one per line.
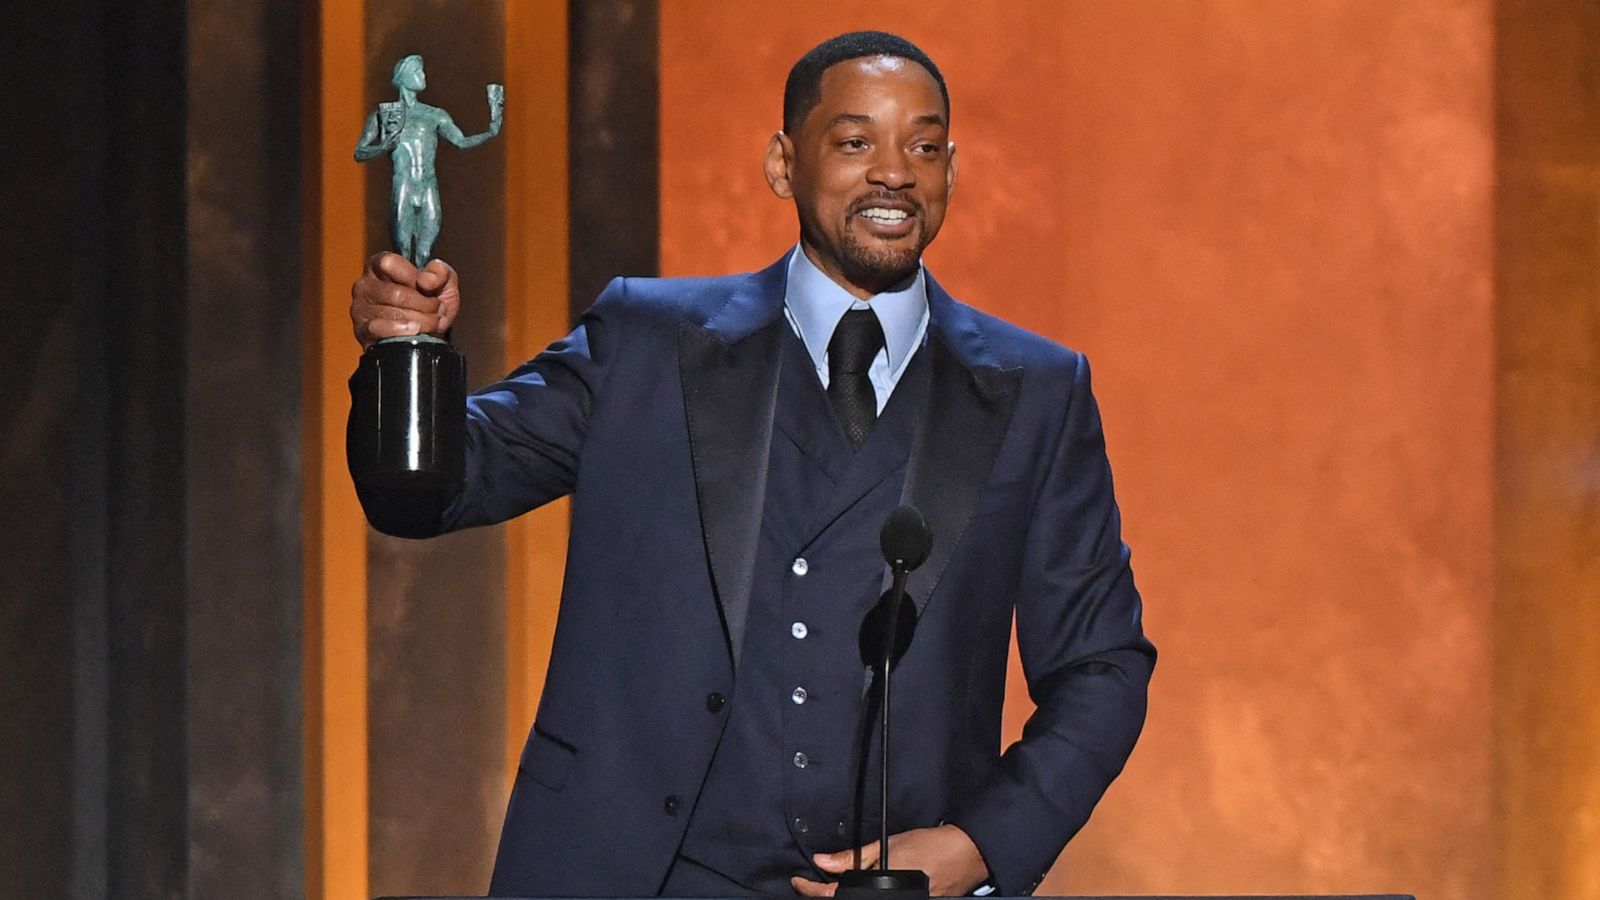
[
  {"x": 870, "y": 170},
  {"x": 414, "y": 77}
]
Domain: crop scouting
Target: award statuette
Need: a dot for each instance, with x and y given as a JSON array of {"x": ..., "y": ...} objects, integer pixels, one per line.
[{"x": 409, "y": 406}]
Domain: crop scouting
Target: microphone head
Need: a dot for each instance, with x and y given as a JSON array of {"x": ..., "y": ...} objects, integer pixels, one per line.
[{"x": 905, "y": 539}]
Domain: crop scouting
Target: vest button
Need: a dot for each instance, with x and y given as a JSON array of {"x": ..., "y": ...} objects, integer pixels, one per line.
[
  {"x": 800, "y": 761},
  {"x": 800, "y": 567},
  {"x": 714, "y": 702},
  {"x": 670, "y": 804},
  {"x": 799, "y": 696},
  {"x": 799, "y": 630},
  {"x": 801, "y": 825}
]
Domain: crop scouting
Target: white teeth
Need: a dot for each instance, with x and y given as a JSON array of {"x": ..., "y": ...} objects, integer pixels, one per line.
[{"x": 884, "y": 215}]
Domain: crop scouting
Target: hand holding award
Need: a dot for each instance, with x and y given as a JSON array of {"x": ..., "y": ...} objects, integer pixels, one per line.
[{"x": 408, "y": 414}]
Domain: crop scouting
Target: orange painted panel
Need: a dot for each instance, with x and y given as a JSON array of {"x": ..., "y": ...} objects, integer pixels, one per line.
[
  {"x": 334, "y": 616},
  {"x": 536, "y": 315},
  {"x": 1270, "y": 227}
]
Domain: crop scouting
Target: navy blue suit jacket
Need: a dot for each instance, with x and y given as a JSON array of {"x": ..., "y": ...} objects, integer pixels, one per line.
[{"x": 656, "y": 415}]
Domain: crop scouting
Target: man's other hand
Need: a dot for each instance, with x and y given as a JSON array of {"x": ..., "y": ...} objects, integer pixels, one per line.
[
  {"x": 950, "y": 858},
  {"x": 392, "y": 298}
]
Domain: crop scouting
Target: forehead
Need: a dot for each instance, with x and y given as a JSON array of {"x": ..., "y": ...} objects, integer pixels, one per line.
[{"x": 882, "y": 83}]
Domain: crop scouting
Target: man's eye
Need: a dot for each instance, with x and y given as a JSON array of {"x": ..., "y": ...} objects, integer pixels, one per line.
[{"x": 853, "y": 144}]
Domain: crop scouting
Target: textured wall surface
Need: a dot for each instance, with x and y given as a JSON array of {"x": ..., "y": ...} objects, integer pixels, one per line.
[
  {"x": 242, "y": 439},
  {"x": 1270, "y": 227},
  {"x": 1547, "y": 501},
  {"x": 148, "y": 624}
]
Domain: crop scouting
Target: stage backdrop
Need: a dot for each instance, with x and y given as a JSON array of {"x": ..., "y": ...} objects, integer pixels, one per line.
[
  {"x": 1337, "y": 263},
  {"x": 1336, "y": 267}
]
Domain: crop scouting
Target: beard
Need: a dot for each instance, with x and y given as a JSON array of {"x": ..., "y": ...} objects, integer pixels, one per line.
[{"x": 867, "y": 261}]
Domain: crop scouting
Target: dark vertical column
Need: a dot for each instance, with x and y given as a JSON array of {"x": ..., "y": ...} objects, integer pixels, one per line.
[
  {"x": 145, "y": 362},
  {"x": 148, "y": 631},
  {"x": 241, "y": 449},
  {"x": 614, "y": 115},
  {"x": 1547, "y": 443},
  {"x": 86, "y": 482},
  {"x": 53, "y": 223},
  {"x": 436, "y": 613},
  {"x": 94, "y": 460}
]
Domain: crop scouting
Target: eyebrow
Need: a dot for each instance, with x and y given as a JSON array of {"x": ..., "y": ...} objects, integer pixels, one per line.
[
  {"x": 864, "y": 119},
  {"x": 851, "y": 119}
]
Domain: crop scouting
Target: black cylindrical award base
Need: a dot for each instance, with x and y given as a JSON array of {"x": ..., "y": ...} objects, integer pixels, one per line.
[
  {"x": 883, "y": 884},
  {"x": 408, "y": 415}
]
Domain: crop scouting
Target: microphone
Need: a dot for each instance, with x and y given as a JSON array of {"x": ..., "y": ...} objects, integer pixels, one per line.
[
  {"x": 886, "y": 634},
  {"x": 906, "y": 542},
  {"x": 905, "y": 539}
]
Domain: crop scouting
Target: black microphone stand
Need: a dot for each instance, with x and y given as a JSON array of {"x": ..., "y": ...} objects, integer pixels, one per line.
[{"x": 884, "y": 883}]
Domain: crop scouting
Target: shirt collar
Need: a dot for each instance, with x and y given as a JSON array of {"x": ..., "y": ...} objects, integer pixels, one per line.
[{"x": 816, "y": 303}]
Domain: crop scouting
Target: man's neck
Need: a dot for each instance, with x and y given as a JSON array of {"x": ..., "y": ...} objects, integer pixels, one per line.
[{"x": 815, "y": 303}]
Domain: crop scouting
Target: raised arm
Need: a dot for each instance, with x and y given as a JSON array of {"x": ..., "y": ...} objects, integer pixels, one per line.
[
  {"x": 524, "y": 433},
  {"x": 452, "y": 133}
]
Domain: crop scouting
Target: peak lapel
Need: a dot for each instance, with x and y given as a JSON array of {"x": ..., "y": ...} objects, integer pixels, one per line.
[
  {"x": 729, "y": 373},
  {"x": 969, "y": 408}
]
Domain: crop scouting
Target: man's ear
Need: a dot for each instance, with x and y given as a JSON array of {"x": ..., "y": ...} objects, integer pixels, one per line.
[
  {"x": 779, "y": 163},
  {"x": 950, "y": 170}
]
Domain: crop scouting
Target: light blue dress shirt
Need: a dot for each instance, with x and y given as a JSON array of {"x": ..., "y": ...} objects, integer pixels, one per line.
[{"x": 814, "y": 304}]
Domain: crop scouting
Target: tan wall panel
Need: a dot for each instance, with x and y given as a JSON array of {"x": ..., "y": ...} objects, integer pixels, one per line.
[{"x": 1269, "y": 226}]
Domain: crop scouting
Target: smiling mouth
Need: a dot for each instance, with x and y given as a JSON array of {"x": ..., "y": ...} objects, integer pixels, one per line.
[{"x": 884, "y": 215}]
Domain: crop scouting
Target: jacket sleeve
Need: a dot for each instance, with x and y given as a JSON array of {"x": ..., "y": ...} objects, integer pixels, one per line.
[
  {"x": 1085, "y": 657},
  {"x": 524, "y": 434}
]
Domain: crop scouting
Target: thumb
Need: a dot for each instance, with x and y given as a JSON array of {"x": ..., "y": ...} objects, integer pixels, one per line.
[
  {"x": 394, "y": 268},
  {"x": 434, "y": 277},
  {"x": 834, "y": 862},
  {"x": 845, "y": 860}
]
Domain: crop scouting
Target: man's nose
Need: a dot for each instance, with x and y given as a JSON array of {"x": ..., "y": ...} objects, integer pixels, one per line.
[{"x": 891, "y": 170}]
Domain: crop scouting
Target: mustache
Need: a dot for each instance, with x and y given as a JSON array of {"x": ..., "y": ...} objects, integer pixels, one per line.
[{"x": 880, "y": 198}]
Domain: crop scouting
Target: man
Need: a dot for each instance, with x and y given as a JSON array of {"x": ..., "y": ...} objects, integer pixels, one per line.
[{"x": 733, "y": 445}]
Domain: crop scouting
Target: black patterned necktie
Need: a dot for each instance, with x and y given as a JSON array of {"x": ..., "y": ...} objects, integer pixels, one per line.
[{"x": 855, "y": 342}]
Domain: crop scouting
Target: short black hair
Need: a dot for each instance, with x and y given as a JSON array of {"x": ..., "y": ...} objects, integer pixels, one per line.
[{"x": 803, "y": 89}]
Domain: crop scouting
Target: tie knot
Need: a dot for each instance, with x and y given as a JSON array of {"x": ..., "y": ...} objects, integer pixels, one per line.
[{"x": 856, "y": 340}]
